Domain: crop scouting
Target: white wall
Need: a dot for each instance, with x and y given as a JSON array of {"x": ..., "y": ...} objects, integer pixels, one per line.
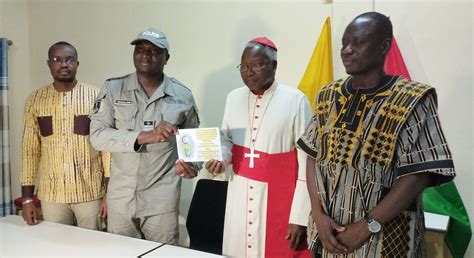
[{"x": 207, "y": 38}]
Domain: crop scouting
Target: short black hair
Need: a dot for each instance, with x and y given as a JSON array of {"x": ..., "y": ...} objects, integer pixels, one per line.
[
  {"x": 61, "y": 43},
  {"x": 383, "y": 25}
]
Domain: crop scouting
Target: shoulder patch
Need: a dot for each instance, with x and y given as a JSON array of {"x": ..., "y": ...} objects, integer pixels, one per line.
[
  {"x": 96, "y": 106},
  {"x": 102, "y": 94}
]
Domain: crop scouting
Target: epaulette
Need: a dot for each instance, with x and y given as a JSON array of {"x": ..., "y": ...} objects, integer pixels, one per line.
[
  {"x": 117, "y": 78},
  {"x": 178, "y": 82}
]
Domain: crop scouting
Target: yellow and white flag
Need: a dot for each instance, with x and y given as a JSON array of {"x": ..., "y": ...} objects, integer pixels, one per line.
[{"x": 319, "y": 71}]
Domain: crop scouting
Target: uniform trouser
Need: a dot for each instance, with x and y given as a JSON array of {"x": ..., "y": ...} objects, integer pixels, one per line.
[
  {"x": 85, "y": 214},
  {"x": 162, "y": 228}
]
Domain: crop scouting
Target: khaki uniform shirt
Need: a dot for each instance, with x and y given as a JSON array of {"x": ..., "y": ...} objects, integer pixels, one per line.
[
  {"x": 56, "y": 146},
  {"x": 143, "y": 180}
]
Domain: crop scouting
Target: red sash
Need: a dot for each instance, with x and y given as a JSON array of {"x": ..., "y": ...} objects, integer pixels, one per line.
[{"x": 280, "y": 171}]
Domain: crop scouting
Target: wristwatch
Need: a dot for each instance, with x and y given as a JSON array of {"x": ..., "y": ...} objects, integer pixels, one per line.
[{"x": 374, "y": 226}]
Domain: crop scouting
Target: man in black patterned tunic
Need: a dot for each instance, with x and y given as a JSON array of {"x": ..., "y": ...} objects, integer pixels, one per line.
[{"x": 374, "y": 143}]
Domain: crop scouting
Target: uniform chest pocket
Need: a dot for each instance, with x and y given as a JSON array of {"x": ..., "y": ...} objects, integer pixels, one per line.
[
  {"x": 81, "y": 124},
  {"x": 45, "y": 124},
  {"x": 175, "y": 118},
  {"x": 125, "y": 116}
]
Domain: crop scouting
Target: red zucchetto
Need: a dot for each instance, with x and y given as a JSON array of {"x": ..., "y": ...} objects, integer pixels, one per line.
[{"x": 264, "y": 41}]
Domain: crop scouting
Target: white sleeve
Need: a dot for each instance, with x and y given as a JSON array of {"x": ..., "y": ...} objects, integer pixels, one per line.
[{"x": 301, "y": 206}]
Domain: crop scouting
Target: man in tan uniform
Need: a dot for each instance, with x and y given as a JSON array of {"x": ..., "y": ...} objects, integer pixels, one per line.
[{"x": 136, "y": 117}]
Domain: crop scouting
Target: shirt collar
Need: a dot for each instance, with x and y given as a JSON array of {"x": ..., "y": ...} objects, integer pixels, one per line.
[
  {"x": 165, "y": 88},
  {"x": 269, "y": 90}
]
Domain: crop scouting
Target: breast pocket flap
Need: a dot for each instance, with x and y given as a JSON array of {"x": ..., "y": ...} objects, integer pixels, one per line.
[
  {"x": 81, "y": 124},
  {"x": 45, "y": 124}
]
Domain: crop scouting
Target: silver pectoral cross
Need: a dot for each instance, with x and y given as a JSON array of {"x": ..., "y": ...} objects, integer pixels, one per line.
[{"x": 251, "y": 155}]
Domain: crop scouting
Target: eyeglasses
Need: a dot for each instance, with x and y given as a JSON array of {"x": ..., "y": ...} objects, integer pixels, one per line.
[
  {"x": 254, "y": 67},
  {"x": 68, "y": 60}
]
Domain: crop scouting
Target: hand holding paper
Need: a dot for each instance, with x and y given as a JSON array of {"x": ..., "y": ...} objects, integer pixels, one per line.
[{"x": 200, "y": 144}]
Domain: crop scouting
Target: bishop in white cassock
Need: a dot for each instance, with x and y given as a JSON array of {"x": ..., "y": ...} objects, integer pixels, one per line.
[{"x": 267, "y": 201}]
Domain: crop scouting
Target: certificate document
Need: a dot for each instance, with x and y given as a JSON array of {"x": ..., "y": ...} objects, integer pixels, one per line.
[{"x": 199, "y": 144}]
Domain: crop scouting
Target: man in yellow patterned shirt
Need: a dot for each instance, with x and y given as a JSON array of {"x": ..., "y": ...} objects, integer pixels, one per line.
[{"x": 72, "y": 175}]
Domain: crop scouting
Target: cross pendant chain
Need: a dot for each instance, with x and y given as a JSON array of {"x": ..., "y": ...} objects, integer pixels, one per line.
[{"x": 251, "y": 155}]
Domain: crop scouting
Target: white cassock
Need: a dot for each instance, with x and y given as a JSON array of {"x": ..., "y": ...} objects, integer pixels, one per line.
[{"x": 268, "y": 124}]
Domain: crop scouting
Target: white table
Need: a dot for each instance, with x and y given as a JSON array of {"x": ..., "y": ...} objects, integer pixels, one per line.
[
  {"x": 51, "y": 239},
  {"x": 171, "y": 251}
]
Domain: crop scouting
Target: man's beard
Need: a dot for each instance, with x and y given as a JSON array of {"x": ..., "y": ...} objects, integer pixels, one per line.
[{"x": 72, "y": 79}]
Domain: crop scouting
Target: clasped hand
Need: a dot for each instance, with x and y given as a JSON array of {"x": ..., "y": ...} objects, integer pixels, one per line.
[{"x": 339, "y": 239}]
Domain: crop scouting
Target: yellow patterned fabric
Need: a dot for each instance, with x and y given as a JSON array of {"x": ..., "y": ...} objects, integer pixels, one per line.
[
  {"x": 56, "y": 146},
  {"x": 362, "y": 141}
]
